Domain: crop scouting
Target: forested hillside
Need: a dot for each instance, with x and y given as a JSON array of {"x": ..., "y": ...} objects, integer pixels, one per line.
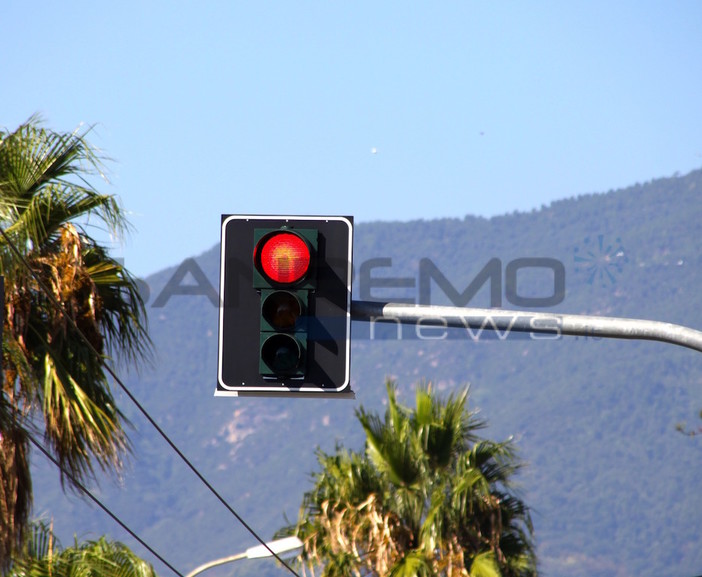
[{"x": 614, "y": 487}]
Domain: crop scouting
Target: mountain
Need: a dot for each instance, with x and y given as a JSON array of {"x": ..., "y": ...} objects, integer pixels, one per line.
[{"x": 614, "y": 488}]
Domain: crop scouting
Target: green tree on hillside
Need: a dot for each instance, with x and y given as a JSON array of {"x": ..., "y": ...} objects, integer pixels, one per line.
[
  {"x": 427, "y": 497},
  {"x": 42, "y": 556},
  {"x": 54, "y": 383}
]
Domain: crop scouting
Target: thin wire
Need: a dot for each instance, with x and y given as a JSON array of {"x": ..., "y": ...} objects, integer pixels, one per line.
[
  {"x": 101, "y": 505},
  {"x": 143, "y": 411}
]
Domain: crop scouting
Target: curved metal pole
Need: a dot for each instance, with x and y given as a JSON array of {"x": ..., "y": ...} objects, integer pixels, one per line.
[
  {"x": 264, "y": 550},
  {"x": 506, "y": 321},
  {"x": 214, "y": 563}
]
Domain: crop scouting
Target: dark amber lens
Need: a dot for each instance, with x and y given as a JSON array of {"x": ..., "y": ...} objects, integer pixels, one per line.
[{"x": 282, "y": 310}]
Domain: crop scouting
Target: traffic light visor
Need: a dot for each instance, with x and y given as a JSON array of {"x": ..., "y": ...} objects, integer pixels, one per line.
[{"x": 283, "y": 257}]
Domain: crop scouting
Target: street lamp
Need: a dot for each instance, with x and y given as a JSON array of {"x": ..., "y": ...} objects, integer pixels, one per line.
[{"x": 277, "y": 546}]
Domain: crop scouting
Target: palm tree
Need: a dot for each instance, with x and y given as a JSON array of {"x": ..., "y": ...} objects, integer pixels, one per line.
[
  {"x": 42, "y": 556},
  {"x": 427, "y": 497},
  {"x": 54, "y": 378}
]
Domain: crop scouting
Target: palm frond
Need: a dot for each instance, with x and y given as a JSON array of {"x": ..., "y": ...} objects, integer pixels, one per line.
[
  {"x": 69, "y": 307},
  {"x": 427, "y": 497},
  {"x": 99, "y": 558},
  {"x": 81, "y": 427},
  {"x": 484, "y": 565},
  {"x": 414, "y": 564},
  {"x": 391, "y": 450}
]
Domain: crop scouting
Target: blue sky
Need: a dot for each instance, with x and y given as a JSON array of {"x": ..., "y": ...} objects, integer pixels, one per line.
[{"x": 381, "y": 110}]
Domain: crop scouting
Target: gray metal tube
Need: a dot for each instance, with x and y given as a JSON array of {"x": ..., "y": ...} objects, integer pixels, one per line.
[{"x": 530, "y": 322}]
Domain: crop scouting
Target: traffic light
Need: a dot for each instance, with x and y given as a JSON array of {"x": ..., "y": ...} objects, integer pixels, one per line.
[
  {"x": 285, "y": 306},
  {"x": 284, "y": 272}
]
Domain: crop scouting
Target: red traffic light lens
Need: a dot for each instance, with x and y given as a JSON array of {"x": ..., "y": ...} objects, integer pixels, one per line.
[{"x": 284, "y": 257}]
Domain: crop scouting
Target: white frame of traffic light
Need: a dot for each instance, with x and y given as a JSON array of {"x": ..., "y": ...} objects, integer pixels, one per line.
[{"x": 256, "y": 223}]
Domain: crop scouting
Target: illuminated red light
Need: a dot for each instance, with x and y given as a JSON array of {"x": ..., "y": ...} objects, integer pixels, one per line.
[{"x": 284, "y": 257}]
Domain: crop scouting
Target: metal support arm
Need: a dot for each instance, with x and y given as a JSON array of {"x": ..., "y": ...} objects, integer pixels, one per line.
[{"x": 529, "y": 322}]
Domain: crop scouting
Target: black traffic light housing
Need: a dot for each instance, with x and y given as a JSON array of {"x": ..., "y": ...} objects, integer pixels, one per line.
[
  {"x": 285, "y": 306},
  {"x": 286, "y": 274}
]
